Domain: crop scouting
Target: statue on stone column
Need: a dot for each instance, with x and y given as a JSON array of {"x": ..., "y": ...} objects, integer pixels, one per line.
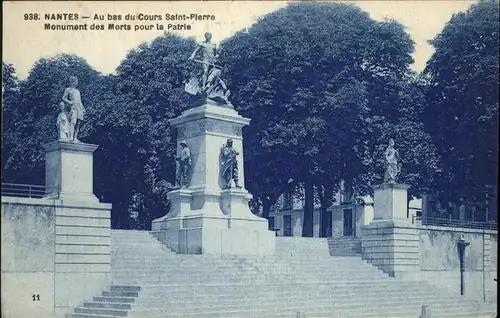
[
  {"x": 63, "y": 123},
  {"x": 208, "y": 81},
  {"x": 229, "y": 165},
  {"x": 72, "y": 97},
  {"x": 183, "y": 166},
  {"x": 391, "y": 162}
]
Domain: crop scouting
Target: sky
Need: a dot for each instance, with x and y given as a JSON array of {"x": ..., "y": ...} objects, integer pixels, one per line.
[{"x": 25, "y": 40}]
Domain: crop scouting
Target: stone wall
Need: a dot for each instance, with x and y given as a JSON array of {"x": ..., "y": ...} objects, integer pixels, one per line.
[
  {"x": 439, "y": 261},
  {"x": 53, "y": 250},
  {"x": 28, "y": 259}
]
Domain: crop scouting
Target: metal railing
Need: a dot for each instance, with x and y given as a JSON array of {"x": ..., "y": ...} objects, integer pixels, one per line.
[
  {"x": 449, "y": 222},
  {"x": 29, "y": 191}
]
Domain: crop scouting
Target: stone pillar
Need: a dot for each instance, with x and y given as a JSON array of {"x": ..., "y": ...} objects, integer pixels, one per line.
[
  {"x": 390, "y": 241},
  {"x": 204, "y": 218},
  {"x": 69, "y": 167}
]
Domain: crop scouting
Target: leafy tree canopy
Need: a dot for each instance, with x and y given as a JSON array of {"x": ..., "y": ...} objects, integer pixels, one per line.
[
  {"x": 322, "y": 95},
  {"x": 462, "y": 94}
]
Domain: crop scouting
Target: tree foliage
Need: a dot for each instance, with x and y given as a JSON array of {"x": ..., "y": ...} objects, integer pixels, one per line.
[
  {"x": 10, "y": 111},
  {"x": 462, "y": 94},
  {"x": 322, "y": 97}
]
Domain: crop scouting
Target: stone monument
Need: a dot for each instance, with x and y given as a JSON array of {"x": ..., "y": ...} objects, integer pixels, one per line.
[
  {"x": 209, "y": 216},
  {"x": 391, "y": 241},
  {"x": 68, "y": 161}
]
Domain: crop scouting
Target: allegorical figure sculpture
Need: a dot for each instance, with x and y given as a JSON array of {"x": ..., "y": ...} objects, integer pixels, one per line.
[
  {"x": 229, "y": 165},
  {"x": 208, "y": 80},
  {"x": 72, "y": 97},
  {"x": 184, "y": 164},
  {"x": 63, "y": 123},
  {"x": 391, "y": 163}
]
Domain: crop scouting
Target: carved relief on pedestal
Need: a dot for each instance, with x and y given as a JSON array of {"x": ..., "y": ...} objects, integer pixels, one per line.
[{"x": 209, "y": 126}]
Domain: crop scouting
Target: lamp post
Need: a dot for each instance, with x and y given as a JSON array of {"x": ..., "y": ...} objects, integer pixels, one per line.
[{"x": 462, "y": 244}]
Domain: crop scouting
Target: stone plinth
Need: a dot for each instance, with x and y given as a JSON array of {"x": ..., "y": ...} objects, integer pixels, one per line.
[
  {"x": 390, "y": 203},
  {"x": 234, "y": 204},
  {"x": 69, "y": 167},
  {"x": 390, "y": 241},
  {"x": 204, "y": 219}
]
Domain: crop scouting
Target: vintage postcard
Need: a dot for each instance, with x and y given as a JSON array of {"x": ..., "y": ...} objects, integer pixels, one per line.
[{"x": 249, "y": 159}]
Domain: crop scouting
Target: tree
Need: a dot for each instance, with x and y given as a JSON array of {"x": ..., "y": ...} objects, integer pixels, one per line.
[
  {"x": 10, "y": 113},
  {"x": 462, "y": 94},
  {"x": 319, "y": 81}
]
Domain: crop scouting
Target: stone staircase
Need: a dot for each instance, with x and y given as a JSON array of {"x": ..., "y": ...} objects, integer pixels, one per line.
[
  {"x": 344, "y": 246},
  {"x": 301, "y": 280}
]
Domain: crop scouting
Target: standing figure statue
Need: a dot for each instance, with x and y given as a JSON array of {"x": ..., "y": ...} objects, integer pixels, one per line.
[
  {"x": 212, "y": 86},
  {"x": 63, "y": 123},
  {"x": 391, "y": 162},
  {"x": 209, "y": 55},
  {"x": 229, "y": 165},
  {"x": 182, "y": 174},
  {"x": 77, "y": 111}
]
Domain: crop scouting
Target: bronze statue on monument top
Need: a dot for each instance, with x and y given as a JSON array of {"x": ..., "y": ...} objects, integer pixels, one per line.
[{"x": 208, "y": 81}]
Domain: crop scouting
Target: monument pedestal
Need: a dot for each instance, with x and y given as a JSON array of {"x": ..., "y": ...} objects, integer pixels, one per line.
[
  {"x": 69, "y": 170},
  {"x": 390, "y": 241},
  {"x": 204, "y": 219}
]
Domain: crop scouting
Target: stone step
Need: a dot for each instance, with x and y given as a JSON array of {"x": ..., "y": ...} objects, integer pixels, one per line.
[
  {"x": 321, "y": 283},
  {"x": 198, "y": 300},
  {"x": 279, "y": 275},
  {"x": 126, "y": 288},
  {"x": 327, "y": 260},
  {"x": 76, "y": 315},
  {"x": 403, "y": 307},
  {"x": 230, "y": 272},
  {"x": 237, "y": 292},
  {"x": 152, "y": 281},
  {"x": 439, "y": 304},
  {"x": 334, "y": 247},
  {"x": 243, "y": 293},
  {"x": 108, "y": 305},
  {"x": 346, "y": 245},
  {"x": 344, "y": 252},
  {"x": 199, "y": 281},
  {"x": 102, "y": 311},
  {"x": 221, "y": 290},
  {"x": 166, "y": 266},
  {"x": 122, "y": 300},
  {"x": 284, "y": 312},
  {"x": 181, "y": 268}
]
